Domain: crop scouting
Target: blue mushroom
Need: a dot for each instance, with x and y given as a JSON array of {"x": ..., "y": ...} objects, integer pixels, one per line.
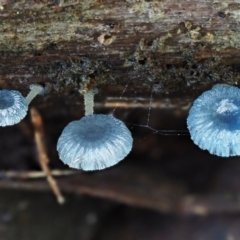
[
  {"x": 14, "y": 107},
  {"x": 214, "y": 121},
  {"x": 95, "y": 142}
]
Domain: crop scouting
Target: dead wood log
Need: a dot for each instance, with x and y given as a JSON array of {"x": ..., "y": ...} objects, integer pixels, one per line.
[{"x": 177, "y": 46}]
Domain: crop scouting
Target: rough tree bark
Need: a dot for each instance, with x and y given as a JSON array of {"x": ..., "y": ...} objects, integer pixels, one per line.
[{"x": 172, "y": 46}]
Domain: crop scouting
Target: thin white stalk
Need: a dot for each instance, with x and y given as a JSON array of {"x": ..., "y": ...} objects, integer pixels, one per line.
[
  {"x": 35, "y": 90},
  {"x": 89, "y": 101}
]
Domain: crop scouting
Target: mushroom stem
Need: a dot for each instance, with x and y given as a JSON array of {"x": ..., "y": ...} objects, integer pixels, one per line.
[
  {"x": 89, "y": 101},
  {"x": 35, "y": 90}
]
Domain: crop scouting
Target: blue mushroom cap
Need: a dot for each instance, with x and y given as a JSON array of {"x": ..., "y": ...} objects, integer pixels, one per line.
[
  {"x": 94, "y": 142},
  {"x": 214, "y": 121},
  {"x": 13, "y": 107}
]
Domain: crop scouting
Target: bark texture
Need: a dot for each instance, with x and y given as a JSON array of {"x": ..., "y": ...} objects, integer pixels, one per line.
[{"x": 172, "y": 46}]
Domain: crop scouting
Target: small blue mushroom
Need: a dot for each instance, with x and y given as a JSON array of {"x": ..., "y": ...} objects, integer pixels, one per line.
[
  {"x": 94, "y": 142},
  {"x": 13, "y": 106},
  {"x": 214, "y": 121}
]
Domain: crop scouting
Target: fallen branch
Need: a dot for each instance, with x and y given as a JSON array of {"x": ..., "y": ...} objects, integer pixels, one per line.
[
  {"x": 42, "y": 153},
  {"x": 34, "y": 174}
]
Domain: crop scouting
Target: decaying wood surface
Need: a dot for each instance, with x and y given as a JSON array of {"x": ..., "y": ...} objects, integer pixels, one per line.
[{"x": 174, "y": 46}]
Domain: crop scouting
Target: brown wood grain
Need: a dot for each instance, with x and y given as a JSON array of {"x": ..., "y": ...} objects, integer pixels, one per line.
[{"x": 84, "y": 44}]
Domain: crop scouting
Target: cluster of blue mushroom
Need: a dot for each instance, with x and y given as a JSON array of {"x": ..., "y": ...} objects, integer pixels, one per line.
[
  {"x": 99, "y": 141},
  {"x": 95, "y": 142},
  {"x": 214, "y": 121}
]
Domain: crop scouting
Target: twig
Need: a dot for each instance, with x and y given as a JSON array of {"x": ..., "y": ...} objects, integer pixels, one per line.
[
  {"x": 42, "y": 153},
  {"x": 118, "y": 104},
  {"x": 139, "y": 104},
  {"x": 34, "y": 174}
]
